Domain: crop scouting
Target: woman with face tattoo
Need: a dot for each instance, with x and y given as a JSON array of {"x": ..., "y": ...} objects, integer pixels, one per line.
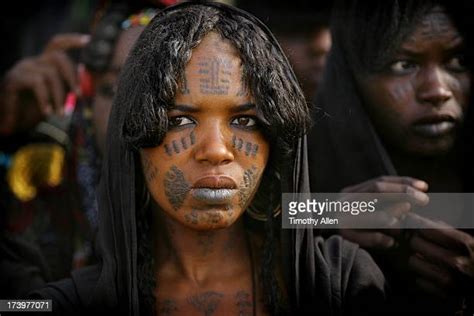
[
  {"x": 206, "y": 131},
  {"x": 397, "y": 118}
]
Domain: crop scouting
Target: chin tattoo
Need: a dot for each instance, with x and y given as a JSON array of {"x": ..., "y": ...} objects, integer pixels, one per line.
[{"x": 207, "y": 302}]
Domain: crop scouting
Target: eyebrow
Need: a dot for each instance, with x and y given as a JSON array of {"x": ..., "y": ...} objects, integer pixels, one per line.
[
  {"x": 183, "y": 108},
  {"x": 192, "y": 109},
  {"x": 455, "y": 44},
  {"x": 243, "y": 108},
  {"x": 409, "y": 52}
]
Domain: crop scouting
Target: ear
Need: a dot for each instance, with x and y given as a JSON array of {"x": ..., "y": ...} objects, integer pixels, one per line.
[{"x": 85, "y": 81}]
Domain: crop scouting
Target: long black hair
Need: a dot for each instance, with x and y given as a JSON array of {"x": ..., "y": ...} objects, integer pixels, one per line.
[{"x": 153, "y": 73}]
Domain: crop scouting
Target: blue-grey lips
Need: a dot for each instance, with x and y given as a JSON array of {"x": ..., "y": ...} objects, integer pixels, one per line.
[
  {"x": 434, "y": 129},
  {"x": 213, "y": 196}
]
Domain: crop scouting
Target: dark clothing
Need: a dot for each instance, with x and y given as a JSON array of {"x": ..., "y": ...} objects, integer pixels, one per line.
[
  {"x": 347, "y": 282},
  {"x": 50, "y": 233}
]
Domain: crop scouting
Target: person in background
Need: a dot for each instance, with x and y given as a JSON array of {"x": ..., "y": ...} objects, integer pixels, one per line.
[
  {"x": 302, "y": 28},
  {"x": 307, "y": 48},
  {"x": 52, "y": 212},
  {"x": 396, "y": 116}
]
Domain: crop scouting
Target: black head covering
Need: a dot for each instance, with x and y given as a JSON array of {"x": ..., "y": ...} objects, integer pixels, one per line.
[
  {"x": 120, "y": 183},
  {"x": 344, "y": 146},
  {"x": 315, "y": 272}
]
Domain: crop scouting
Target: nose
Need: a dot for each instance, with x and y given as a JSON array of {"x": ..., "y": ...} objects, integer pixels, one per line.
[
  {"x": 433, "y": 88},
  {"x": 212, "y": 146}
]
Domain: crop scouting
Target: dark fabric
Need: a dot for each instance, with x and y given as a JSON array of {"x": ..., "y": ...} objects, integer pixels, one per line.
[
  {"x": 23, "y": 267},
  {"x": 334, "y": 273},
  {"x": 344, "y": 148},
  {"x": 48, "y": 236},
  {"x": 44, "y": 239},
  {"x": 72, "y": 296},
  {"x": 344, "y": 278}
]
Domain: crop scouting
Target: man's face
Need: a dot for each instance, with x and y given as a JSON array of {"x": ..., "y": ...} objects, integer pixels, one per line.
[
  {"x": 210, "y": 163},
  {"x": 418, "y": 102}
]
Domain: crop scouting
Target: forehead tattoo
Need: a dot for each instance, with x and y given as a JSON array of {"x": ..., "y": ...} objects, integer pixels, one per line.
[
  {"x": 214, "y": 75},
  {"x": 184, "y": 88},
  {"x": 242, "y": 91},
  {"x": 434, "y": 25}
]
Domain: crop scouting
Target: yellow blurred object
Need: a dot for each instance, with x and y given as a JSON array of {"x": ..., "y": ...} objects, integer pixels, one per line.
[{"x": 34, "y": 166}]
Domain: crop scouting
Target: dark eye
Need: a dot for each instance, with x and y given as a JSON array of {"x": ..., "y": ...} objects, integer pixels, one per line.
[
  {"x": 402, "y": 67},
  {"x": 245, "y": 121},
  {"x": 107, "y": 90},
  {"x": 456, "y": 64},
  {"x": 179, "y": 121}
]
